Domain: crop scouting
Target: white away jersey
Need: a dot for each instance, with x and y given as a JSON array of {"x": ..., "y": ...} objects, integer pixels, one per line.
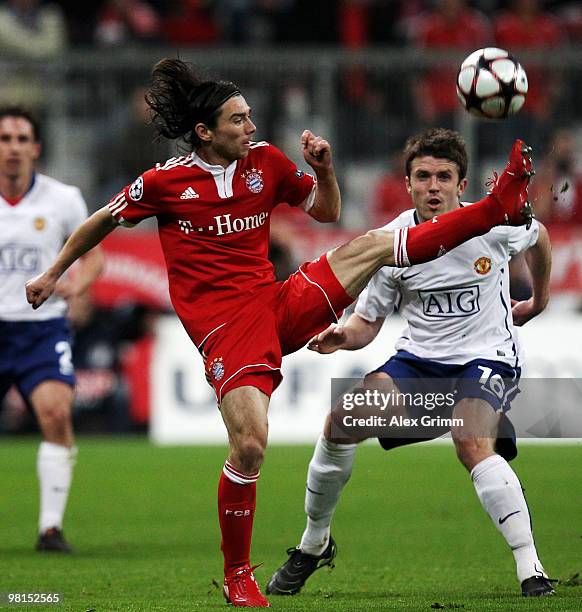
[
  {"x": 31, "y": 234},
  {"x": 457, "y": 307}
]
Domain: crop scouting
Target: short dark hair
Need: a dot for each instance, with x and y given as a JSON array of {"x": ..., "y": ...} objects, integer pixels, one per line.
[
  {"x": 439, "y": 143},
  {"x": 22, "y": 113},
  {"x": 180, "y": 96}
]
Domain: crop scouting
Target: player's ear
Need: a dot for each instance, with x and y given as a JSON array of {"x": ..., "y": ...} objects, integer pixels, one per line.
[
  {"x": 203, "y": 132},
  {"x": 408, "y": 186},
  {"x": 37, "y": 150},
  {"x": 462, "y": 186}
]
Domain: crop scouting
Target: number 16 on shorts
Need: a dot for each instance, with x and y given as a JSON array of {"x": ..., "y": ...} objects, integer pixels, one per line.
[{"x": 497, "y": 385}]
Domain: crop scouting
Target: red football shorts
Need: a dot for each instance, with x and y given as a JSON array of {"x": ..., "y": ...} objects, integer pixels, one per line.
[{"x": 277, "y": 320}]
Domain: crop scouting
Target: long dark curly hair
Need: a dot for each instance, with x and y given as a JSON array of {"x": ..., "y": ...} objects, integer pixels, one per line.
[{"x": 180, "y": 96}]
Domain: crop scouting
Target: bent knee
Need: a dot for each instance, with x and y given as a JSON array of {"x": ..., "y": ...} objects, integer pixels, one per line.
[
  {"x": 250, "y": 453},
  {"x": 54, "y": 413},
  {"x": 375, "y": 238},
  {"x": 472, "y": 451}
]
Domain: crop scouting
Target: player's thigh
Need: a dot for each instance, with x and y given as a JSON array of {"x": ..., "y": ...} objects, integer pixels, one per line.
[
  {"x": 244, "y": 411},
  {"x": 413, "y": 378},
  {"x": 355, "y": 262},
  {"x": 245, "y": 351},
  {"x": 475, "y": 425},
  {"x": 52, "y": 400},
  {"x": 5, "y": 384},
  {"x": 307, "y": 302},
  {"x": 485, "y": 390},
  {"x": 334, "y": 428},
  {"x": 44, "y": 374}
]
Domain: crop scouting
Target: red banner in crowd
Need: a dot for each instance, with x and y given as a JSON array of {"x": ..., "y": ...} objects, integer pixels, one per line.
[
  {"x": 135, "y": 269},
  {"x": 566, "y": 252},
  {"x": 566, "y": 258}
]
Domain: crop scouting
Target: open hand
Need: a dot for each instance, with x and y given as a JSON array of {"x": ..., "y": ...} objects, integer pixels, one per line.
[{"x": 329, "y": 340}]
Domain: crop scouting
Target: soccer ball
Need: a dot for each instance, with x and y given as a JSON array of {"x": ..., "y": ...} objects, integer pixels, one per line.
[{"x": 491, "y": 84}]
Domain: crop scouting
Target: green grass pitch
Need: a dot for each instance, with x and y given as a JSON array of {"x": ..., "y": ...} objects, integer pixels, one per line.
[{"x": 410, "y": 530}]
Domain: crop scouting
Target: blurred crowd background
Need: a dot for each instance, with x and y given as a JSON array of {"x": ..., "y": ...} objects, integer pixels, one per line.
[{"x": 366, "y": 74}]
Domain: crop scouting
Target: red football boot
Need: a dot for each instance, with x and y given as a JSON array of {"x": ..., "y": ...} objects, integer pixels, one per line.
[
  {"x": 510, "y": 189},
  {"x": 242, "y": 591}
]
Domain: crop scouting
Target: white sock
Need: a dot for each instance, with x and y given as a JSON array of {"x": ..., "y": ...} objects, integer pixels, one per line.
[
  {"x": 329, "y": 471},
  {"x": 501, "y": 496},
  {"x": 55, "y": 471}
]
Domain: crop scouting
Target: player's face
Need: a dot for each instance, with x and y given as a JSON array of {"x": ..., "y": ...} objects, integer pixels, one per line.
[
  {"x": 434, "y": 186},
  {"x": 231, "y": 138},
  {"x": 18, "y": 149}
]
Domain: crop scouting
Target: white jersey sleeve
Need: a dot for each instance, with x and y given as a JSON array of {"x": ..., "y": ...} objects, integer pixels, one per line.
[
  {"x": 76, "y": 210},
  {"x": 519, "y": 239},
  {"x": 378, "y": 298}
]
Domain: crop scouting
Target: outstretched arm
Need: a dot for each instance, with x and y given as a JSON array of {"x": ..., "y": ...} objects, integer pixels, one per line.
[
  {"x": 539, "y": 262},
  {"x": 317, "y": 153},
  {"x": 91, "y": 266},
  {"x": 355, "y": 334},
  {"x": 84, "y": 238}
]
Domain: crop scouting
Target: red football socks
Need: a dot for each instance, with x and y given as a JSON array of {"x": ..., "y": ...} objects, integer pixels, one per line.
[
  {"x": 431, "y": 239},
  {"x": 237, "y": 494}
]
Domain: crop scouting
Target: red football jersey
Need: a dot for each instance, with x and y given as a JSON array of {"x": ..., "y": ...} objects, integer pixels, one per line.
[{"x": 213, "y": 224}]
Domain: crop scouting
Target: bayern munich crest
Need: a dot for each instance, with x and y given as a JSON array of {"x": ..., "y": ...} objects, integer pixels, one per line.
[
  {"x": 136, "y": 189},
  {"x": 217, "y": 368},
  {"x": 253, "y": 180}
]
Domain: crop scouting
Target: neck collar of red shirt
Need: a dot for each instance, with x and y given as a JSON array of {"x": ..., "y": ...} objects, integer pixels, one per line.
[{"x": 212, "y": 168}]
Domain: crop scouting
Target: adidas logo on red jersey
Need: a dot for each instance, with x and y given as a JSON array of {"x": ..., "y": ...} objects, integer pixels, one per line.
[{"x": 189, "y": 194}]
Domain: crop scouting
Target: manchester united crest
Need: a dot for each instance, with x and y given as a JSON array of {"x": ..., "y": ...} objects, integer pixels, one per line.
[
  {"x": 216, "y": 368},
  {"x": 253, "y": 180},
  {"x": 482, "y": 265}
]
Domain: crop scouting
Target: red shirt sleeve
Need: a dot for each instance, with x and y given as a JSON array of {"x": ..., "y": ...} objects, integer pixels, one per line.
[
  {"x": 294, "y": 186},
  {"x": 137, "y": 201}
]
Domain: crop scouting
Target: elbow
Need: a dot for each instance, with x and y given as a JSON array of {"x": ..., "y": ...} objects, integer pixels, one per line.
[
  {"x": 332, "y": 217},
  {"x": 328, "y": 219},
  {"x": 326, "y": 215}
]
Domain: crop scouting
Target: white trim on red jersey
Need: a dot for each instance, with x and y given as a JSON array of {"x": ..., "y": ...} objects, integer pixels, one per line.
[
  {"x": 222, "y": 176},
  {"x": 175, "y": 161},
  {"x": 250, "y": 365},
  {"x": 201, "y": 345},
  {"x": 322, "y": 291},
  {"x": 309, "y": 201}
]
